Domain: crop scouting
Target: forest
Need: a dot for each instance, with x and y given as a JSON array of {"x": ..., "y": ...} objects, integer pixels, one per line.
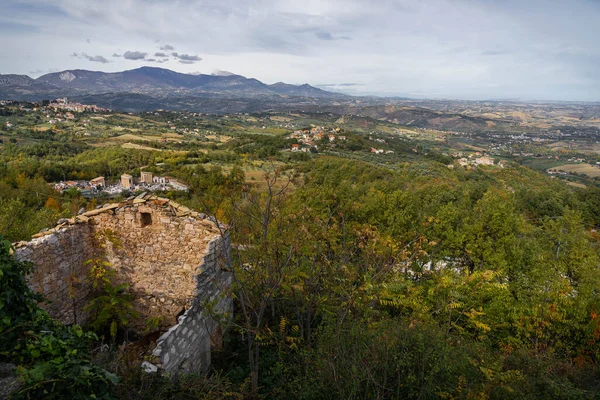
[{"x": 352, "y": 279}]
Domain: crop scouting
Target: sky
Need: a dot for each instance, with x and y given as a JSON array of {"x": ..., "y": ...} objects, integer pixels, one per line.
[{"x": 459, "y": 49}]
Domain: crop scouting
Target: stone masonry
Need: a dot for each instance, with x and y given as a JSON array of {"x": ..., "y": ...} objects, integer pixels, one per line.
[
  {"x": 175, "y": 261},
  {"x": 60, "y": 259},
  {"x": 186, "y": 347}
]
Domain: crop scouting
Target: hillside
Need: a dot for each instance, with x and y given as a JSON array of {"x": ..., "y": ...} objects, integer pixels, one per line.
[{"x": 15, "y": 80}]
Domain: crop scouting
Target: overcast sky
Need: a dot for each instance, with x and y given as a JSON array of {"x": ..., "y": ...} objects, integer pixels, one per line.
[{"x": 468, "y": 49}]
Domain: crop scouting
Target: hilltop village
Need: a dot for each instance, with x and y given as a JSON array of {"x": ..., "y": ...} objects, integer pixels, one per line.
[
  {"x": 98, "y": 186},
  {"x": 58, "y": 110}
]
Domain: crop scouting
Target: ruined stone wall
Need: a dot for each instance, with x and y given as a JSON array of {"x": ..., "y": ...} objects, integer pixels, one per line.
[
  {"x": 159, "y": 256},
  {"x": 175, "y": 261},
  {"x": 59, "y": 256},
  {"x": 187, "y": 346}
]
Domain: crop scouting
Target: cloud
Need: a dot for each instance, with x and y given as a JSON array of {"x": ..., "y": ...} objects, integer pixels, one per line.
[
  {"x": 339, "y": 84},
  {"x": 134, "y": 55},
  {"x": 324, "y": 36},
  {"x": 160, "y": 55},
  {"x": 329, "y": 36},
  {"x": 39, "y": 72},
  {"x": 493, "y": 52},
  {"x": 186, "y": 58},
  {"x": 99, "y": 59},
  {"x": 438, "y": 48},
  {"x": 151, "y": 59},
  {"x": 117, "y": 55}
]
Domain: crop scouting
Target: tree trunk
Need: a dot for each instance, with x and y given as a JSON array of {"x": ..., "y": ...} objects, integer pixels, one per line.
[{"x": 253, "y": 355}]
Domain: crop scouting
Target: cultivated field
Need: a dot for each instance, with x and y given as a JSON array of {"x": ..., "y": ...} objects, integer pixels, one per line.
[
  {"x": 587, "y": 169},
  {"x": 139, "y": 147}
]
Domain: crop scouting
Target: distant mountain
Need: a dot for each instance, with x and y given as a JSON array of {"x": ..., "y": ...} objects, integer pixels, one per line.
[
  {"x": 137, "y": 80},
  {"x": 303, "y": 90},
  {"x": 15, "y": 80},
  {"x": 149, "y": 81}
]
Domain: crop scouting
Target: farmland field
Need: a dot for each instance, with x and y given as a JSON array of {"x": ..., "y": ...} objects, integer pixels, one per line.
[{"x": 587, "y": 169}]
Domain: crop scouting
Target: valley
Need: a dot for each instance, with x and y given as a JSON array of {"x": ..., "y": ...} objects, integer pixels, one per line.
[
  {"x": 370, "y": 210},
  {"x": 387, "y": 135}
]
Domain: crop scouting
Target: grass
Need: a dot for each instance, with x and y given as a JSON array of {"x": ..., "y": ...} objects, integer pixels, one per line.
[
  {"x": 586, "y": 169},
  {"x": 138, "y": 147},
  {"x": 219, "y": 138},
  {"x": 41, "y": 127},
  {"x": 541, "y": 164},
  {"x": 280, "y": 119},
  {"x": 578, "y": 185},
  {"x": 147, "y": 138},
  {"x": 255, "y": 171}
]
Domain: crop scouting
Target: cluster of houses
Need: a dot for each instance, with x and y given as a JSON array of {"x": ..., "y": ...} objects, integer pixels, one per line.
[
  {"x": 151, "y": 182},
  {"x": 85, "y": 188},
  {"x": 472, "y": 161},
  {"x": 308, "y": 138},
  {"x": 59, "y": 117},
  {"x": 375, "y": 150},
  {"x": 96, "y": 186},
  {"x": 63, "y": 110},
  {"x": 60, "y": 110},
  {"x": 63, "y": 104},
  {"x": 380, "y": 151},
  {"x": 557, "y": 172}
]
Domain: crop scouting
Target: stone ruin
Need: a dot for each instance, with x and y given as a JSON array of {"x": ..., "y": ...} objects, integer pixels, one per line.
[{"x": 174, "y": 259}]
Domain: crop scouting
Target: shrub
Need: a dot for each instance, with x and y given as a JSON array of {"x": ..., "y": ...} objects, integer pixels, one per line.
[{"x": 54, "y": 360}]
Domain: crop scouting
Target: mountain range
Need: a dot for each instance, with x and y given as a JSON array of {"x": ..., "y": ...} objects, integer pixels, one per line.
[{"x": 155, "y": 82}]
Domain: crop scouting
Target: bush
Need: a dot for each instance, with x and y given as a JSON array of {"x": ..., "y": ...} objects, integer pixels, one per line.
[{"x": 54, "y": 360}]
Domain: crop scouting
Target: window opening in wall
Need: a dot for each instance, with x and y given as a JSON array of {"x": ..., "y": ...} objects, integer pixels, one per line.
[{"x": 146, "y": 219}]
